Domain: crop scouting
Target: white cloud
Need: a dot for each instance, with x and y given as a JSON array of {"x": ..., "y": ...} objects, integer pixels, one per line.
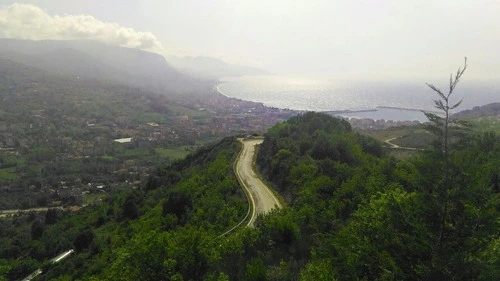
[{"x": 22, "y": 21}]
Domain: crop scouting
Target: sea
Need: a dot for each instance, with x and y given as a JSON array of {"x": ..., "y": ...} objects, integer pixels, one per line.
[{"x": 387, "y": 100}]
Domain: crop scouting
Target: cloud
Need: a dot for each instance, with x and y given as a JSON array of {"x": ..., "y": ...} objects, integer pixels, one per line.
[{"x": 22, "y": 21}]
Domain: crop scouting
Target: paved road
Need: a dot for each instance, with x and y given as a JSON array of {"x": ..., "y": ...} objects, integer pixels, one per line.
[
  {"x": 395, "y": 146},
  {"x": 261, "y": 198},
  {"x": 7, "y": 213},
  {"x": 54, "y": 260},
  {"x": 389, "y": 142}
]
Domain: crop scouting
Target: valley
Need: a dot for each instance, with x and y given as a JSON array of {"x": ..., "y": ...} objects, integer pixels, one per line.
[
  {"x": 58, "y": 134},
  {"x": 161, "y": 177}
]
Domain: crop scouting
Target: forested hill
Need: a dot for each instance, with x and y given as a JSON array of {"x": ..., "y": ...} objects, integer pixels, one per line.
[
  {"x": 166, "y": 230},
  {"x": 357, "y": 215},
  {"x": 492, "y": 109},
  {"x": 57, "y": 131},
  {"x": 352, "y": 213}
]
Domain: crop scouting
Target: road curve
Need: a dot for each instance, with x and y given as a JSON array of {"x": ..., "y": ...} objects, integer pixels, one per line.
[
  {"x": 261, "y": 198},
  {"x": 392, "y": 145},
  {"x": 395, "y": 146}
]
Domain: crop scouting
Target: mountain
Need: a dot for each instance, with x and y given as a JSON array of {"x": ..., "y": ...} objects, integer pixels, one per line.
[
  {"x": 211, "y": 68},
  {"x": 70, "y": 118},
  {"x": 91, "y": 60},
  {"x": 491, "y": 109},
  {"x": 47, "y": 117}
]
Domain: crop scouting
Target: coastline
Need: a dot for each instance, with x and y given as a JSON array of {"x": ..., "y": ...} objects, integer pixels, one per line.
[
  {"x": 366, "y": 119},
  {"x": 219, "y": 91},
  {"x": 387, "y": 99},
  {"x": 346, "y": 112},
  {"x": 409, "y": 109},
  {"x": 331, "y": 112}
]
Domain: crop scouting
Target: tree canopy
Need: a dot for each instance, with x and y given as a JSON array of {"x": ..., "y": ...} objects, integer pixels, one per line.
[{"x": 352, "y": 213}]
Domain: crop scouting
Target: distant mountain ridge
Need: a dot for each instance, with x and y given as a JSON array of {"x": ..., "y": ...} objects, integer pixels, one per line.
[
  {"x": 491, "y": 109},
  {"x": 93, "y": 60},
  {"x": 211, "y": 68}
]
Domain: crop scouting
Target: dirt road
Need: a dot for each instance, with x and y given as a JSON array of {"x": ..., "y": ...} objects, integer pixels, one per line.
[{"x": 261, "y": 198}]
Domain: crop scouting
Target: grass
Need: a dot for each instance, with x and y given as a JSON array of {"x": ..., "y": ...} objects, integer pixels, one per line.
[
  {"x": 393, "y": 132},
  {"x": 484, "y": 124},
  {"x": 134, "y": 153},
  {"x": 182, "y": 151},
  {"x": 151, "y": 117},
  {"x": 90, "y": 198},
  {"x": 107, "y": 158},
  {"x": 416, "y": 140},
  {"x": 407, "y": 137},
  {"x": 175, "y": 153},
  {"x": 403, "y": 154},
  {"x": 8, "y": 174},
  {"x": 180, "y": 110},
  {"x": 419, "y": 138}
]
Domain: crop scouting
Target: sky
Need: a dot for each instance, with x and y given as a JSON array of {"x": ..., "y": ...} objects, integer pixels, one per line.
[{"x": 348, "y": 39}]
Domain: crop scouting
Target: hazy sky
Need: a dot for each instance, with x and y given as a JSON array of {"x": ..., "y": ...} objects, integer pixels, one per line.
[{"x": 338, "y": 39}]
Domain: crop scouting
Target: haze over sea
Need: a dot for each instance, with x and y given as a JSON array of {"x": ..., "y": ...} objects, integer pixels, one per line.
[{"x": 338, "y": 95}]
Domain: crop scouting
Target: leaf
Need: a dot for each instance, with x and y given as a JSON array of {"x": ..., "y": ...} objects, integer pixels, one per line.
[
  {"x": 457, "y": 104},
  {"x": 435, "y": 89},
  {"x": 439, "y": 104},
  {"x": 463, "y": 123},
  {"x": 433, "y": 118}
]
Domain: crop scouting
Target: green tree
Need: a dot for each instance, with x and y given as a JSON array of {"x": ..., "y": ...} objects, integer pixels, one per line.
[
  {"x": 142, "y": 258},
  {"x": 445, "y": 129},
  {"x": 84, "y": 240},
  {"x": 21, "y": 268},
  {"x": 51, "y": 216},
  {"x": 37, "y": 229},
  {"x": 321, "y": 270},
  {"x": 130, "y": 209},
  {"x": 255, "y": 270}
]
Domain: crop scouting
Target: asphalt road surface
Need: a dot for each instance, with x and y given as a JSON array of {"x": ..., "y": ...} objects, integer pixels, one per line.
[
  {"x": 395, "y": 146},
  {"x": 260, "y": 196}
]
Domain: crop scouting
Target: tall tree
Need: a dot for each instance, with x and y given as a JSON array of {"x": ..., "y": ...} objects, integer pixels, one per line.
[
  {"x": 37, "y": 229},
  {"x": 442, "y": 127}
]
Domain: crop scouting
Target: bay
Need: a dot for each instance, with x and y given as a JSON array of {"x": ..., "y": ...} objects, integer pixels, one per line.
[{"x": 388, "y": 100}]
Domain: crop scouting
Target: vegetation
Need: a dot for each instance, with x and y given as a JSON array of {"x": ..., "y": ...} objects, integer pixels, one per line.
[
  {"x": 352, "y": 212},
  {"x": 375, "y": 218},
  {"x": 57, "y": 135},
  {"x": 492, "y": 109},
  {"x": 187, "y": 204}
]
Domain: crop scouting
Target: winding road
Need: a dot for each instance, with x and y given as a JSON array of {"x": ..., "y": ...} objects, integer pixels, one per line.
[
  {"x": 262, "y": 200},
  {"x": 395, "y": 146}
]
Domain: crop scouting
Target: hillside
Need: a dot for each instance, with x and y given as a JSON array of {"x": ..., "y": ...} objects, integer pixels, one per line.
[
  {"x": 211, "y": 68},
  {"x": 59, "y": 136},
  {"x": 131, "y": 235},
  {"x": 352, "y": 214},
  {"x": 492, "y": 109},
  {"x": 89, "y": 60}
]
